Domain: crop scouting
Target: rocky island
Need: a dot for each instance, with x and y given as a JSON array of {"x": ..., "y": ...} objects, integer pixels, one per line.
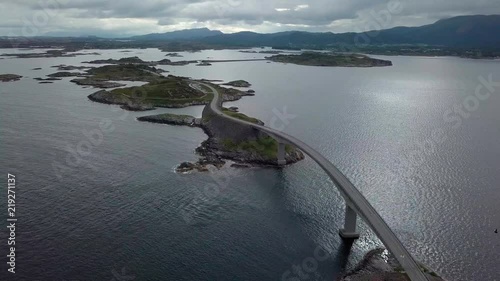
[
  {"x": 137, "y": 61},
  {"x": 239, "y": 83},
  {"x": 103, "y": 77},
  {"x": 169, "y": 92},
  {"x": 227, "y": 140},
  {"x": 10, "y": 77},
  {"x": 330, "y": 59},
  {"x": 173, "y": 55},
  {"x": 378, "y": 264},
  {"x": 172, "y": 119},
  {"x": 65, "y": 53}
]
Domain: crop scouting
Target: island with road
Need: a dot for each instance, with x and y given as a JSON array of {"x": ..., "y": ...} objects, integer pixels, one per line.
[{"x": 227, "y": 140}]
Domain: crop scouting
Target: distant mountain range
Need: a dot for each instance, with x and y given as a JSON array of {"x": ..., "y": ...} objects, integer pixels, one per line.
[
  {"x": 465, "y": 31},
  {"x": 185, "y": 34}
]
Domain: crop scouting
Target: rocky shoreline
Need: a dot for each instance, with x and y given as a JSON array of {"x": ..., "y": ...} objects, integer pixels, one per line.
[
  {"x": 238, "y": 83},
  {"x": 378, "y": 264},
  {"x": 125, "y": 103},
  {"x": 172, "y": 119},
  {"x": 215, "y": 150},
  {"x": 106, "y": 97},
  {"x": 330, "y": 60}
]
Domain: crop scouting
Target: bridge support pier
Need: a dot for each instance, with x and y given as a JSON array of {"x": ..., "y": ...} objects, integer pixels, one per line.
[
  {"x": 281, "y": 154},
  {"x": 349, "y": 231}
]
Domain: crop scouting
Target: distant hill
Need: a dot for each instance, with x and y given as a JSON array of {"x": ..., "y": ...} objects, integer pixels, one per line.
[
  {"x": 187, "y": 34},
  {"x": 463, "y": 31}
]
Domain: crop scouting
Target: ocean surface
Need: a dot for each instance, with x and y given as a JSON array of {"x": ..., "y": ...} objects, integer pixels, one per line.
[{"x": 97, "y": 197}]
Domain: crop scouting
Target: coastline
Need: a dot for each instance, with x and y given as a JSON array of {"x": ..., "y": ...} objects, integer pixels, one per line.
[{"x": 379, "y": 264}]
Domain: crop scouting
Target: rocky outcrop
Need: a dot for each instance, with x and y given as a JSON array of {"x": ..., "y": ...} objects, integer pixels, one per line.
[
  {"x": 97, "y": 83},
  {"x": 47, "y": 79},
  {"x": 138, "y": 61},
  {"x": 173, "y": 55},
  {"x": 64, "y": 67},
  {"x": 222, "y": 130},
  {"x": 9, "y": 77},
  {"x": 172, "y": 119},
  {"x": 330, "y": 59},
  {"x": 380, "y": 265},
  {"x": 137, "y": 107},
  {"x": 65, "y": 74},
  {"x": 129, "y": 60},
  {"x": 67, "y": 53},
  {"x": 238, "y": 83},
  {"x": 103, "y": 96}
]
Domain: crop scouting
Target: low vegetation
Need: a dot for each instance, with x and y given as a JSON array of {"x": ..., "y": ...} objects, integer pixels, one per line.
[
  {"x": 241, "y": 116},
  {"x": 168, "y": 91},
  {"x": 267, "y": 146},
  {"x": 239, "y": 83},
  {"x": 330, "y": 59},
  {"x": 171, "y": 119},
  {"x": 126, "y": 72}
]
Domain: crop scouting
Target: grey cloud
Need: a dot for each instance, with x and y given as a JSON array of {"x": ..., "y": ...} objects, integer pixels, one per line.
[{"x": 256, "y": 15}]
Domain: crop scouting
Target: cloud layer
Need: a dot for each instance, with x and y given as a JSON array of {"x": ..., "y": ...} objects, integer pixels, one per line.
[{"x": 127, "y": 17}]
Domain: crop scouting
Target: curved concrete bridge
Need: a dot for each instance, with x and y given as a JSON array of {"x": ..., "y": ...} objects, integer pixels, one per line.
[{"x": 356, "y": 203}]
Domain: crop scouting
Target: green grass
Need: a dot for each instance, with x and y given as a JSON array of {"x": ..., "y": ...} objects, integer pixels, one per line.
[
  {"x": 240, "y": 116},
  {"x": 164, "y": 92},
  {"x": 266, "y": 146},
  {"x": 125, "y": 72},
  {"x": 326, "y": 59}
]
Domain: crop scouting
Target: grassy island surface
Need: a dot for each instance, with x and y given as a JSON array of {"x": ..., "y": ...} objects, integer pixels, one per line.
[
  {"x": 161, "y": 91},
  {"x": 241, "y": 116},
  {"x": 103, "y": 77},
  {"x": 164, "y": 92},
  {"x": 239, "y": 83},
  {"x": 330, "y": 59},
  {"x": 265, "y": 146}
]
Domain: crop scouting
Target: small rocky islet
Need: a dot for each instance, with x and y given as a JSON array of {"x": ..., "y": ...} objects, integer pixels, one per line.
[
  {"x": 379, "y": 264},
  {"x": 10, "y": 77},
  {"x": 238, "y": 83}
]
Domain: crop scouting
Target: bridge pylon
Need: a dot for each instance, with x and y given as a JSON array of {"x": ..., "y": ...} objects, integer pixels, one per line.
[{"x": 349, "y": 231}]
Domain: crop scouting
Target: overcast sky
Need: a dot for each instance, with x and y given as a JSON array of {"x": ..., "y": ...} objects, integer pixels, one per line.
[{"x": 132, "y": 17}]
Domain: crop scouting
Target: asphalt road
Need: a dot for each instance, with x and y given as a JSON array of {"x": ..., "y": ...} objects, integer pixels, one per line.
[{"x": 351, "y": 194}]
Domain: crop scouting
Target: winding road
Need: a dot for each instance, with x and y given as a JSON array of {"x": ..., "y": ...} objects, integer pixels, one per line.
[{"x": 351, "y": 194}]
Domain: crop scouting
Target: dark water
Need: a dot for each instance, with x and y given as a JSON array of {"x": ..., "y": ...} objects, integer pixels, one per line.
[{"x": 120, "y": 211}]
